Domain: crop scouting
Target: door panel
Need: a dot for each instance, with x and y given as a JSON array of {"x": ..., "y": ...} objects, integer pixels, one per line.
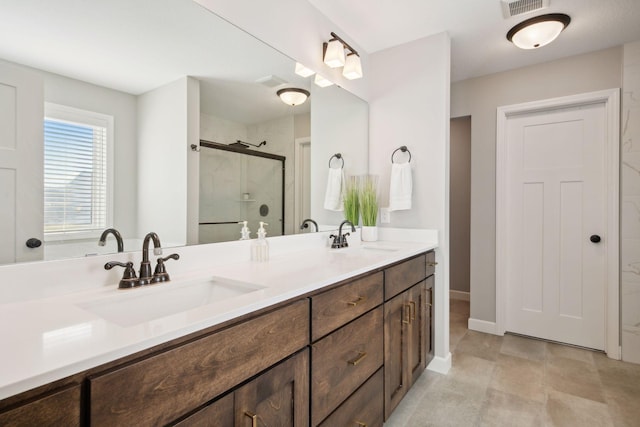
[
  {"x": 21, "y": 163},
  {"x": 555, "y": 201}
]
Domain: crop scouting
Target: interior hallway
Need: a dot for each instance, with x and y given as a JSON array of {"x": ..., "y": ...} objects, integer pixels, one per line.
[{"x": 514, "y": 381}]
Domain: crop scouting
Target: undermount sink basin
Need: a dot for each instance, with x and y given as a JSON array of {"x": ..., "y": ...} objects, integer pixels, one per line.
[
  {"x": 379, "y": 248},
  {"x": 134, "y": 306}
]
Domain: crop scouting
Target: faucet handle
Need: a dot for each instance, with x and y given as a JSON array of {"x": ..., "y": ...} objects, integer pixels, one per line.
[
  {"x": 129, "y": 279},
  {"x": 336, "y": 241},
  {"x": 344, "y": 243},
  {"x": 160, "y": 274}
]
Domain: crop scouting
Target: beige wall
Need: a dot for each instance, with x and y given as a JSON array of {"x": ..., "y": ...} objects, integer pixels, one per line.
[
  {"x": 460, "y": 202},
  {"x": 479, "y": 98}
]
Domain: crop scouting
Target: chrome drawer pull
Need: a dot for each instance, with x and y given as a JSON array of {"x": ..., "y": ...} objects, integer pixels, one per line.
[
  {"x": 406, "y": 314},
  {"x": 431, "y": 264},
  {"x": 357, "y": 301},
  {"x": 412, "y": 304},
  {"x": 361, "y": 424},
  {"x": 361, "y": 356},
  {"x": 254, "y": 418}
]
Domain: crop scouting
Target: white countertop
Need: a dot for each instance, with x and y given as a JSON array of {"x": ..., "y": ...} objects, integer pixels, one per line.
[{"x": 50, "y": 337}]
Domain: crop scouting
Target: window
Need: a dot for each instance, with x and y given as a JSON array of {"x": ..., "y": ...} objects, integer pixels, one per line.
[{"x": 76, "y": 172}]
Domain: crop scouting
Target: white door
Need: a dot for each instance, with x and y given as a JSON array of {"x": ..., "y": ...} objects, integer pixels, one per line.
[
  {"x": 21, "y": 164},
  {"x": 556, "y": 213}
]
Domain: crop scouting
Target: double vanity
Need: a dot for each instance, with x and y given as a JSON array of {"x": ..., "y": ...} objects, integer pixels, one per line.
[{"x": 314, "y": 336}]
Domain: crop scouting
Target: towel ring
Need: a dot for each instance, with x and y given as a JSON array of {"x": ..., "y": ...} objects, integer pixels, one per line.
[
  {"x": 337, "y": 156},
  {"x": 404, "y": 149}
]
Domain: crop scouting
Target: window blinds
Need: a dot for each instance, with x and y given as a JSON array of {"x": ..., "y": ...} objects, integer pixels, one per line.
[{"x": 75, "y": 176}]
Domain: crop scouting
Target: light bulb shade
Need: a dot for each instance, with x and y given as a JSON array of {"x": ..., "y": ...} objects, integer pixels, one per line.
[
  {"x": 293, "y": 96},
  {"x": 334, "y": 54},
  {"x": 321, "y": 81},
  {"x": 538, "y": 31},
  {"x": 303, "y": 71},
  {"x": 352, "y": 67}
]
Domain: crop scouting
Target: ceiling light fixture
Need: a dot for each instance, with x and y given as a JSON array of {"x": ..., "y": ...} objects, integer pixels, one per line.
[
  {"x": 333, "y": 55},
  {"x": 293, "y": 96},
  {"x": 538, "y": 31}
]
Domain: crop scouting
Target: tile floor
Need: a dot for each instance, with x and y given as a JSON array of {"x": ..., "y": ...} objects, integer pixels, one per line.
[{"x": 514, "y": 381}]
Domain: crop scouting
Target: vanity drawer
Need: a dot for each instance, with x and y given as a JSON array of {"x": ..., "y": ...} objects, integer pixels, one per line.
[
  {"x": 61, "y": 408},
  {"x": 431, "y": 263},
  {"x": 362, "y": 408},
  {"x": 342, "y": 361},
  {"x": 157, "y": 390},
  {"x": 402, "y": 276},
  {"x": 339, "y": 306}
]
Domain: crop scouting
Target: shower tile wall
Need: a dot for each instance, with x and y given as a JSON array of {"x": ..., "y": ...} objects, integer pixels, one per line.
[{"x": 630, "y": 215}]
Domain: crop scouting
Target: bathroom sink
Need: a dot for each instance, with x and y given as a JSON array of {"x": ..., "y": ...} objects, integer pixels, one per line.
[
  {"x": 135, "y": 306},
  {"x": 379, "y": 248}
]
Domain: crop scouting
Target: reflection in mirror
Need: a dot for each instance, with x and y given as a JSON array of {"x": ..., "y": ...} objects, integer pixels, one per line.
[{"x": 168, "y": 73}]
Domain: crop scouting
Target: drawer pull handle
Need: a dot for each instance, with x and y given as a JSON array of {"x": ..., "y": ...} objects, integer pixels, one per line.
[
  {"x": 361, "y": 424},
  {"x": 412, "y": 304},
  {"x": 254, "y": 418},
  {"x": 431, "y": 264},
  {"x": 357, "y": 301},
  {"x": 360, "y": 358},
  {"x": 406, "y": 314}
]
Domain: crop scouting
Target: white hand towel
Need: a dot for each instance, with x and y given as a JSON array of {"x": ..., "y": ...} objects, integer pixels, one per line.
[
  {"x": 401, "y": 187},
  {"x": 333, "y": 196}
]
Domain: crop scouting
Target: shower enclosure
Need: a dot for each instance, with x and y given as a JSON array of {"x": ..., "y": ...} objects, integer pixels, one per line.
[{"x": 239, "y": 184}]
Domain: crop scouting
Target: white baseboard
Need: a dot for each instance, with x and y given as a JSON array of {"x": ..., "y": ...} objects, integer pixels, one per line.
[
  {"x": 483, "y": 326},
  {"x": 461, "y": 295},
  {"x": 440, "y": 365}
]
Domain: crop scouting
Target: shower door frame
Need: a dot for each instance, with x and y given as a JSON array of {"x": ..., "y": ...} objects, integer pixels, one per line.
[{"x": 249, "y": 152}]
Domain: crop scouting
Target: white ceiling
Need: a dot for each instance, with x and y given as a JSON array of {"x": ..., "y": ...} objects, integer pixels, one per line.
[
  {"x": 478, "y": 29},
  {"x": 137, "y": 46}
]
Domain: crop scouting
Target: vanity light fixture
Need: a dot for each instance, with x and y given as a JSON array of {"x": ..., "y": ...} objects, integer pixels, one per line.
[
  {"x": 303, "y": 71},
  {"x": 333, "y": 55},
  {"x": 293, "y": 96},
  {"x": 321, "y": 81},
  {"x": 352, "y": 67},
  {"x": 538, "y": 31}
]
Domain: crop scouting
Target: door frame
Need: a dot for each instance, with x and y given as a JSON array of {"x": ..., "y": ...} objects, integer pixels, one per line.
[
  {"x": 297, "y": 207},
  {"x": 611, "y": 100}
]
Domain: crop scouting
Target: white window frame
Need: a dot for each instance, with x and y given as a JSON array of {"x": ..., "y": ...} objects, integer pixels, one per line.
[{"x": 91, "y": 118}]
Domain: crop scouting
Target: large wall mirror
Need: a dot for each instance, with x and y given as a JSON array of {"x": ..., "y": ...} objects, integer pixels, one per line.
[{"x": 137, "y": 87}]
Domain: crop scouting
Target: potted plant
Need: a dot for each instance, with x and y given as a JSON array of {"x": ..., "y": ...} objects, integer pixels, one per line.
[
  {"x": 351, "y": 201},
  {"x": 369, "y": 208}
]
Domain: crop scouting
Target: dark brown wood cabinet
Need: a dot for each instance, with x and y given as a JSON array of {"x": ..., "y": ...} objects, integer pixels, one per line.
[
  {"x": 218, "y": 413},
  {"x": 278, "y": 397},
  {"x": 60, "y": 408}
]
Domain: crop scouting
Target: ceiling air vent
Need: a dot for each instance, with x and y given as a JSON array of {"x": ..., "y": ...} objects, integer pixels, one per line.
[{"x": 518, "y": 7}]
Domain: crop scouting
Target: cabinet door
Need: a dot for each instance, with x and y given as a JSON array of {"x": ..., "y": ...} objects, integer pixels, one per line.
[
  {"x": 218, "y": 413},
  {"x": 416, "y": 345},
  {"x": 429, "y": 319},
  {"x": 397, "y": 315},
  {"x": 279, "y": 397},
  {"x": 61, "y": 408}
]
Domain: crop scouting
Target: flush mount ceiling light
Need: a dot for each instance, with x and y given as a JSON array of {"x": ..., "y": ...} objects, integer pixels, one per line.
[
  {"x": 293, "y": 96},
  {"x": 538, "y": 31},
  {"x": 333, "y": 56}
]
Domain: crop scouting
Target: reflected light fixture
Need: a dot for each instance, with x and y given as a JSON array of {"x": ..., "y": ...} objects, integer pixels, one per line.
[
  {"x": 538, "y": 31},
  {"x": 303, "y": 71},
  {"x": 321, "y": 81},
  {"x": 352, "y": 67},
  {"x": 293, "y": 96}
]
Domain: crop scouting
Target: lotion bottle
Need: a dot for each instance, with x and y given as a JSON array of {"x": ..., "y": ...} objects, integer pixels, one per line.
[
  {"x": 260, "y": 246},
  {"x": 244, "y": 232}
]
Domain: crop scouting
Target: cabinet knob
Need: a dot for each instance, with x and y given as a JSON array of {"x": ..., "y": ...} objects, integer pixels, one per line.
[
  {"x": 595, "y": 238},
  {"x": 33, "y": 243}
]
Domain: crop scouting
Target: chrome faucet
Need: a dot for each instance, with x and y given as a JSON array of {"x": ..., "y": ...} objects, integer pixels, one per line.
[
  {"x": 305, "y": 224},
  {"x": 116, "y": 234},
  {"x": 340, "y": 241},
  {"x": 145, "y": 265}
]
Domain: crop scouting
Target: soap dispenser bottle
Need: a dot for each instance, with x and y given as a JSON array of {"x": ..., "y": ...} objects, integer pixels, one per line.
[
  {"x": 260, "y": 246},
  {"x": 244, "y": 232}
]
